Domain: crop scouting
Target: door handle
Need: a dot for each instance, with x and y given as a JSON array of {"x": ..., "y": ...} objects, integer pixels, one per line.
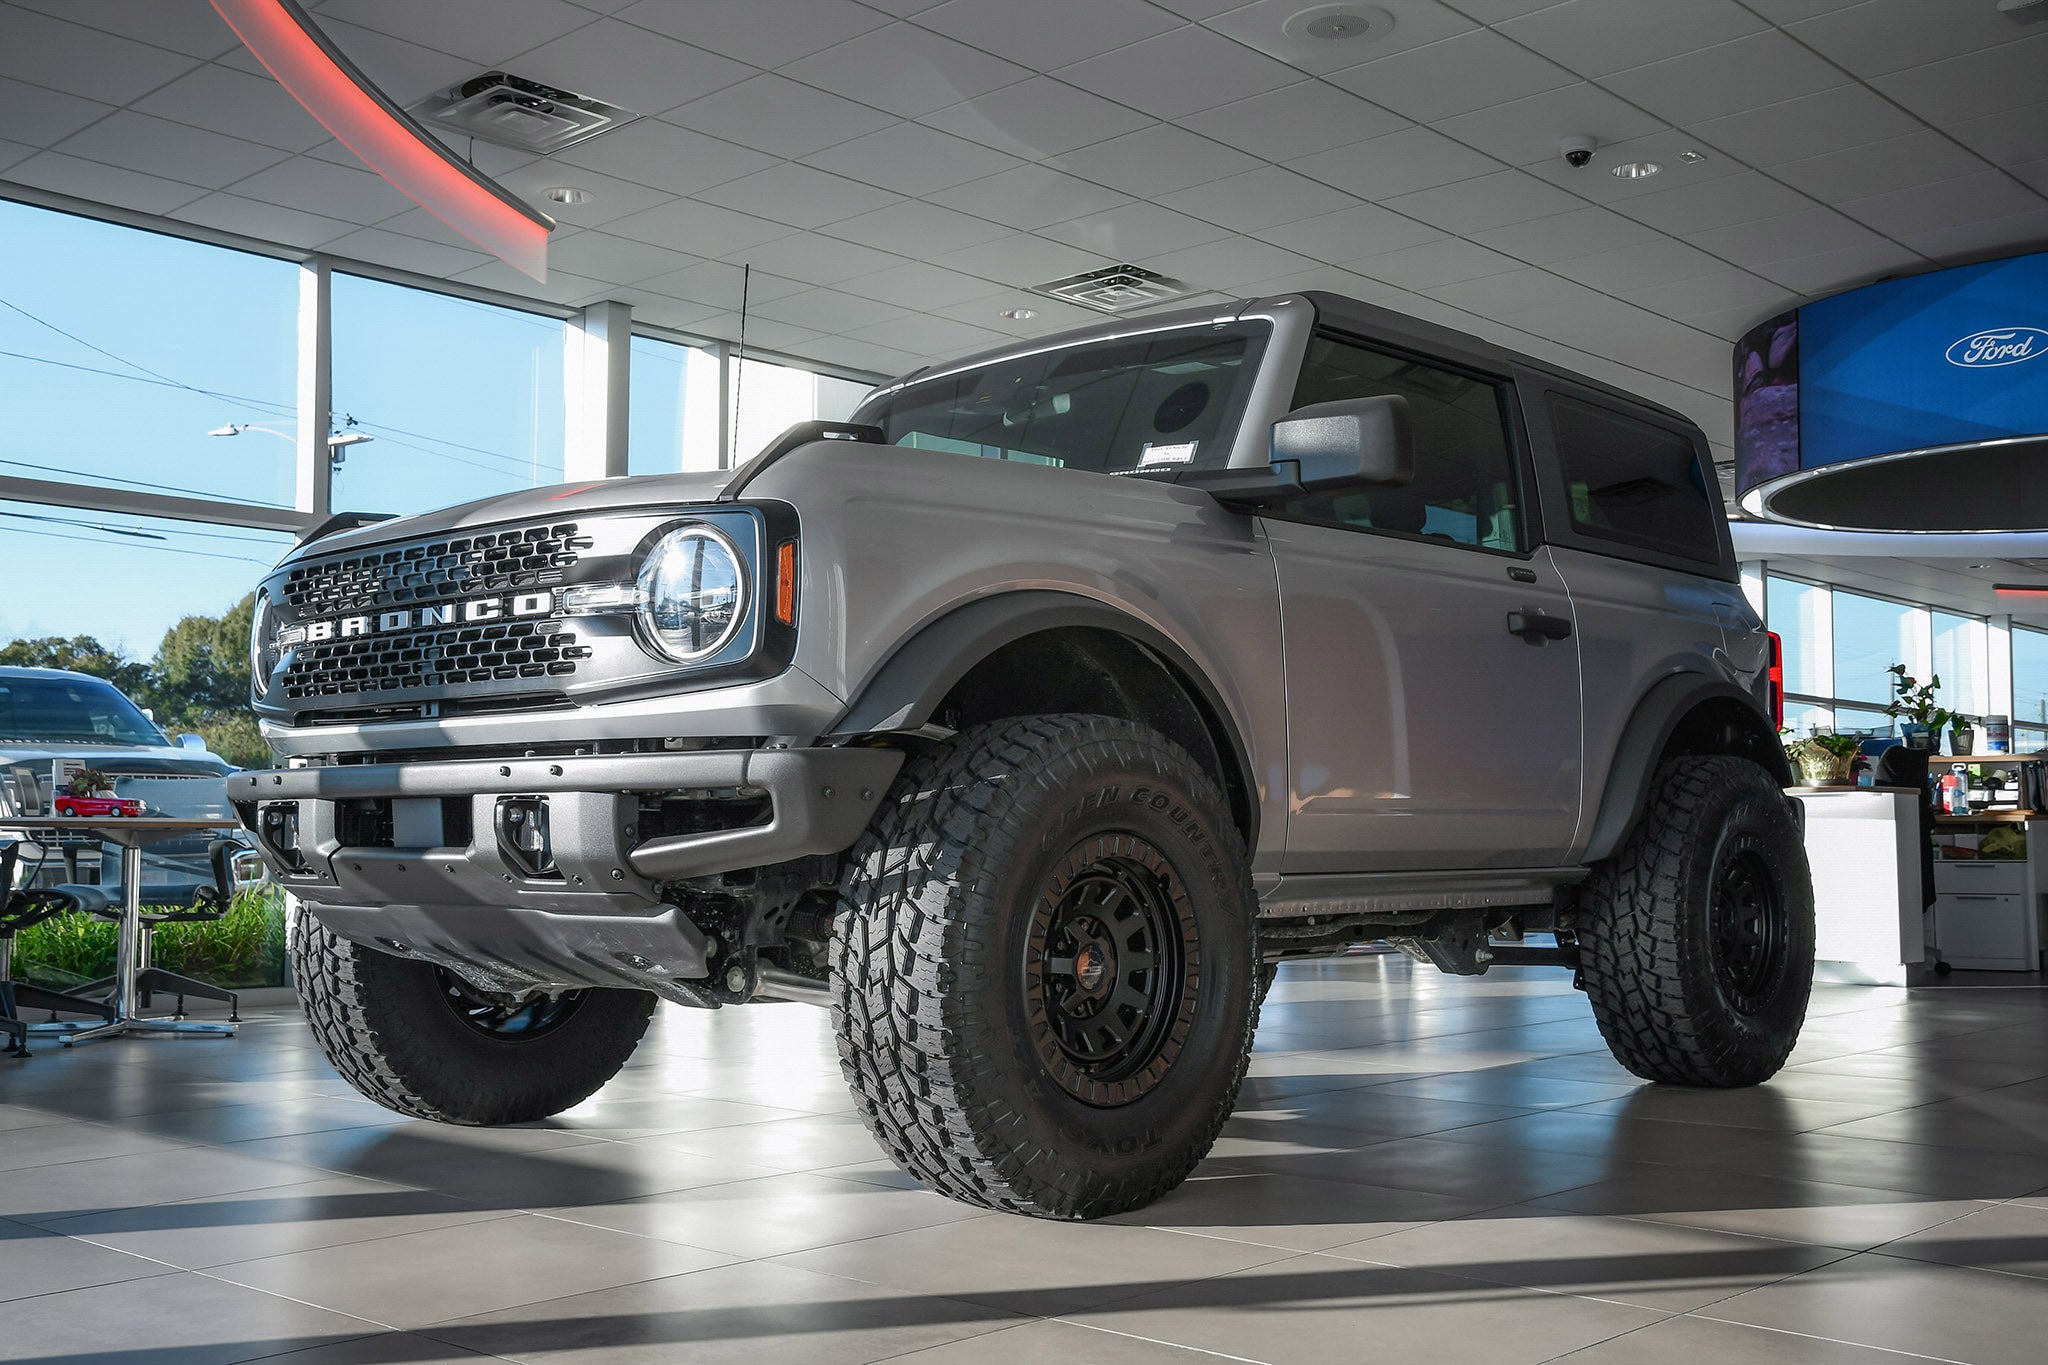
[{"x": 1535, "y": 627}]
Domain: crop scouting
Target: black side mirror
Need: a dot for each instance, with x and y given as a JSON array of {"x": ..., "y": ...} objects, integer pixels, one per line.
[{"x": 1325, "y": 448}]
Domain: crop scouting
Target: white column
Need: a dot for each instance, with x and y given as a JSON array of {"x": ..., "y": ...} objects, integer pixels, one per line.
[
  {"x": 1998, "y": 663},
  {"x": 597, "y": 358},
  {"x": 1753, "y": 575},
  {"x": 725, "y": 432},
  {"x": 313, "y": 480}
]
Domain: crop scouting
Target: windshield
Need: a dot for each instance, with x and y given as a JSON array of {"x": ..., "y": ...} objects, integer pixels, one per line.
[
  {"x": 71, "y": 711},
  {"x": 1158, "y": 404}
]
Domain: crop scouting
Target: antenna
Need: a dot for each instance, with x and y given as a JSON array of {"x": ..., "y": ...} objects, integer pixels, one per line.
[{"x": 739, "y": 371}]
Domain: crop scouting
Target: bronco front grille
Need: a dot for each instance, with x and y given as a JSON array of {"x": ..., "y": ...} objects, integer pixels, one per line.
[
  {"x": 402, "y": 577},
  {"x": 450, "y": 566}
]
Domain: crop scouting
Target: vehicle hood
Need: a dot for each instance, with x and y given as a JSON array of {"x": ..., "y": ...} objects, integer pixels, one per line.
[
  {"x": 167, "y": 779},
  {"x": 560, "y": 500}
]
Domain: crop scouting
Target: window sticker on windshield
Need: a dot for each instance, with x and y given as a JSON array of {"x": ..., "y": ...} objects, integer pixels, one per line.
[{"x": 1174, "y": 454}]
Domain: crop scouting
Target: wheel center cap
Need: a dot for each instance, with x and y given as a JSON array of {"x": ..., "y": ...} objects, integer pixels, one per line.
[{"x": 1090, "y": 966}]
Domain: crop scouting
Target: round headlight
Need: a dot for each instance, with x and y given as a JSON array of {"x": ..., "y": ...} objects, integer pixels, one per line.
[
  {"x": 693, "y": 593},
  {"x": 262, "y": 658}
]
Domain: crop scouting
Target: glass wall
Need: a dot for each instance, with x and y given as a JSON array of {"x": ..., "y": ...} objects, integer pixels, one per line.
[
  {"x": 2029, "y": 690},
  {"x": 461, "y": 400},
  {"x": 674, "y": 405},
  {"x": 124, "y": 356},
  {"x": 768, "y": 398},
  {"x": 1840, "y": 646}
]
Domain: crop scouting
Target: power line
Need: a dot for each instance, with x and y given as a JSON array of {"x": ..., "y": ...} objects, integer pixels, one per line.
[
  {"x": 159, "y": 549},
  {"x": 112, "y": 528},
  {"x": 137, "y": 483}
]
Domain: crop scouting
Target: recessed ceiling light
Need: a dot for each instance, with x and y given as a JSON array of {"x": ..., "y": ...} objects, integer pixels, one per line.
[
  {"x": 1691, "y": 157},
  {"x": 1020, "y": 314},
  {"x": 567, "y": 194},
  {"x": 1340, "y": 23},
  {"x": 1980, "y": 566},
  {"x": 1636, "y": 170}
]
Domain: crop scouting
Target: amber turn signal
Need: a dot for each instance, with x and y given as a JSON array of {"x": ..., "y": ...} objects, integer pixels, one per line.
[{"x": 785, "y": 583}]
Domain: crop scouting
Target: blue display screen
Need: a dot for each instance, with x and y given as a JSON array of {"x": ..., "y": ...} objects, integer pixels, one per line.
[{"x": 1938, "y": 359}]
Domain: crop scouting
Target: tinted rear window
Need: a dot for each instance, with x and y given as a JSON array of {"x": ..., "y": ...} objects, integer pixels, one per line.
[{"x": 1632, "y": 482}]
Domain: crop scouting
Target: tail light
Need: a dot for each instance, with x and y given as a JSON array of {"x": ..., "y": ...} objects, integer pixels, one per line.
[
  {"x": 785, "y": 583},
  {"x": 1775, "y": 680}
]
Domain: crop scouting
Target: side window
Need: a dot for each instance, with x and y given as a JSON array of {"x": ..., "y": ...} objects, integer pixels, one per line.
[
  {"x": 1464, "y": 491},
  {"x": 1632, "y": 482}
]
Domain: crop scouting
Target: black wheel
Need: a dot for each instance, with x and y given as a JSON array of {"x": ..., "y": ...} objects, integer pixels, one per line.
[
  {"x": 1044, "y": 965},
  {"x": 1696, "y": 937},
  {"x": 420, "y": 1040}
]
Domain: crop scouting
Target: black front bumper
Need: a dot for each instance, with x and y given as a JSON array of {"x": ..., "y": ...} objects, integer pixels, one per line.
[{"x": 595, "y": 915}]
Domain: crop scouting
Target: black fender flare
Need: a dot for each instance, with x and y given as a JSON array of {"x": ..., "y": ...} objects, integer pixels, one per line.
[
  {"x": 905, "y": 691},
  {"x": 1643, "y": 741}
]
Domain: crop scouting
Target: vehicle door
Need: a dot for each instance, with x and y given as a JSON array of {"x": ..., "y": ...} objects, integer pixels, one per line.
[
  {"x": 1636, "y": 529},
  {"x": 1432, "y": 674}
]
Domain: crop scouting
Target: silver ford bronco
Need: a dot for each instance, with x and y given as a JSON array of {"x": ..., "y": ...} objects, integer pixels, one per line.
[{"x": 1028, "y": 720}]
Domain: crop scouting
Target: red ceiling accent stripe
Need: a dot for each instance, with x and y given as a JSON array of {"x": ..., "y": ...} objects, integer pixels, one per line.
[{"x": 386, "y": 139}]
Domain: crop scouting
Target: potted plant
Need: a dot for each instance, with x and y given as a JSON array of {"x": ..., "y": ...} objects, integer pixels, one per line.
[
  {"x": 1824, "y": 760},
  {"x": 1962, "y": 736},
  {"x": 1920, "y": 719}
]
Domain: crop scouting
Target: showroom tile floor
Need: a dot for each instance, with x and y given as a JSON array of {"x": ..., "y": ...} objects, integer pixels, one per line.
[{"x": 1420, "y": 1169}]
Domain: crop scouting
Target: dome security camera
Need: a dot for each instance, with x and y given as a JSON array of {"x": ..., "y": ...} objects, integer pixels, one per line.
[{"x": 1577, "y": 151}]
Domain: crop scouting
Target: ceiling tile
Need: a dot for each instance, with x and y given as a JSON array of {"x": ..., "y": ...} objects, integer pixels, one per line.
[
  {"x": 1713, "y": 82},
  {"x": 1132, "y": 230},
  {"x": 64, "y": 56},
  {"x": 1433, "y": 264},
  {"x": 1665, "y": 148},
  {"x": 106, "y": 184},
  {"x": 624, "y": 64},
  {"x": 1486, "y": 201},
  {"x": 1398, "y": 163},
  {"x": 662, "y": 311},
  {"x": 861, "y": 355},
  {"x": 1566, "y": 236},
  {"x": 1327, "y": 278},
  {"x": 698, "y": 228},
  {"x": 1028, "y": 197},
  {"x": 1896, "y": 164},
  {"x": 828, "y": 310},
  {"x": 798, "y": 195},
  {"x": 322, "y": 187},
  {"x": 1792, "y": 11},
  {"x": 1983, "y": 239},
  {"x": 910, "y": 158},
  {"x": 1048, "y": 315},
  {"x": 780, "y": 116},
  {"x": 1047, "y": 33},
  {"x": 1023, "y": 260},
  {"x": 1848, "y": 116},
  {"x": 404, "y": 71},
  {"x": 560, "y": 288},
  {"x": 1473, "y": 71},
  {"x": 1715, "y": 203},
  {"x": 1228, "y": 263},
  {"x": 718, "y": 285},
  {"x": 176, "y": 150},
  {"x": 41, "y": 117},
  {"x": 605, "y": 257},
  {"x": 817, "y": 259},
  {"x": 1309, "y": 116},
  {"x": 1830, "y": 272},
  {"x": 1263, "y": 25},
  {"x": 1037, "y": 118},
  {"x": 762, "y": 33},
  {"x": 1594, "y": 37},
  {"x": 2007, "y": 139},
  {"x": 264, "y": 222},
  {"x": 1901, "y": 214},
  {"x": 1985, "y": 82},
  {"x": 763, "y": 335},
  {"x": 1155, "y": 161},
  {"x": 928, "y": 335},
  {"x": 1262, "y": 198},
  {"x": 610, "y": 198},
  {"x": 188, "y": 26},
  {"x": 2033, "y": 173},
  {"x": 409, "y": 253},
  {"x": 1198, "y": 9},
  {"x": 1663, "y": 261},
  {"x": 1721, "y": 292},
  {"x": 1180, "y": 72},
  {"x": 650, "y": 151},
  {"x": 1880, "y": 36},
  {"x": 916, "y": 229},
  {"x": 1350, "y": 233},
  {"x": 228, "y": 101},
  {"x": 905, "y": 70},
  {"x": 1509, "y": 294},
  {"x": 483, "y": 31},
  {"x": 1777, "y": 239},
  {"x": 1526, "y": 131},
  {"x": 918, "y": 285}
]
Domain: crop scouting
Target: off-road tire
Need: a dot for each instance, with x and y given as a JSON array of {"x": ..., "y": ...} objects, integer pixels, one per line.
[
  {"x": 1649, "y": 956},
  {"x": 931, "y": 944},
  {"x": 1269, "y": 972},
  {"x": 385, "y": 1024}
]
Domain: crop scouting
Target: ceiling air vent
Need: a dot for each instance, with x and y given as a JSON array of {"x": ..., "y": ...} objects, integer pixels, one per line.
[
  {"x": 1118, "y": 289},
  {"x": 514, "y": 112}
]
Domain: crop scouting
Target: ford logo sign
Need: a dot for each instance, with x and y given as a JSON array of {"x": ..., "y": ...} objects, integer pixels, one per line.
[{"x": 2005, "y": 346}]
